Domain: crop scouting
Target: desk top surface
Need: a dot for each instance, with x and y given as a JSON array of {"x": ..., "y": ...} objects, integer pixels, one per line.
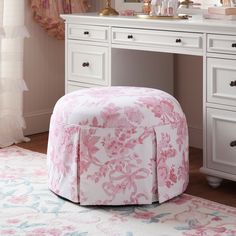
[{"x": 195, "y": 24}]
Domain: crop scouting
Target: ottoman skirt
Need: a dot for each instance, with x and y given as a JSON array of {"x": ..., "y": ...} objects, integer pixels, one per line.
[{"x": 117, "y": 146}]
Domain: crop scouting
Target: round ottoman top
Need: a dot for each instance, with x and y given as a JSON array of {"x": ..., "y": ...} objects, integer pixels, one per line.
[{"x": 117, "y": 107}]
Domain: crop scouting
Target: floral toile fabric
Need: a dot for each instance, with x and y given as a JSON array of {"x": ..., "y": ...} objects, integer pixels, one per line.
[
  {"x": 118, "y": 145},
  {"x": 47, "y": 13}
]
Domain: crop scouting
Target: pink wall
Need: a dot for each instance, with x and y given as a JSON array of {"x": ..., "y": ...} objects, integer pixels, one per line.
[
  {"x": 188, "y": 80},
  {"x": 44, "y": 75}
]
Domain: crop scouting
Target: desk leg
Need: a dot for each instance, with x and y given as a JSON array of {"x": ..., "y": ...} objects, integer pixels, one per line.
[{"x": 213, "y": 181}]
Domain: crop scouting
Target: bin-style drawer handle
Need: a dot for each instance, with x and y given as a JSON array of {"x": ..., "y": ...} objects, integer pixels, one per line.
[
  {"x": 233, "y": 144},
  {"x": 233, "y": 45},
  {"x": 233, "y": 83},
  {"x": 85, "y": 64}
]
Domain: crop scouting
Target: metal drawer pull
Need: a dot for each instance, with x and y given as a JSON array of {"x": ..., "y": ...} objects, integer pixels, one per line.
[
  {"x": 233, "y": 144},
  {"x": 178, "y": 40},
  {"x": 233, "y": 45},
  {"x": 233, "y": 83},
  {"x": 85, "y": 64},
  {"x": 130, "y": 36},
  {"x": 86, "y": 32}
]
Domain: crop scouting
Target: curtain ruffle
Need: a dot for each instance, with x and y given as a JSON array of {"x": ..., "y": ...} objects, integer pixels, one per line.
[
  {"x": 11, "y": 32},
  {"x": 9, "y": 85},
  {"x": 1, "y": 32},
  {"x": 11, "y": 56},
  {"x": 47, "y": 14},
  {"x": 8, "y": 135},
  {"x": 12, "y": 85},
  {"x": 54, "y": 27}
]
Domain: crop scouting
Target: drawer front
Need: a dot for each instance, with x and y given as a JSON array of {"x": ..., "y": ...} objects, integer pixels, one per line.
[
  {"x": 88, "y": 33},
  {"x": 221, "y": 140},
  {"x": 87, "y": 63},
  {"x": 157, "y": 38},
  {"x": 221, "y": 43},
  {"x": 221, "y": 81}
]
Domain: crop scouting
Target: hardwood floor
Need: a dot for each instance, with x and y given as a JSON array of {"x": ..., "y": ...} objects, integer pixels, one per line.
[
  {"x": 198, "y": 186},
  {"x": 225, "y": 194}
]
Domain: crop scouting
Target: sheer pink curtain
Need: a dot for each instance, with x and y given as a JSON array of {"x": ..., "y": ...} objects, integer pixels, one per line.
[{"x": 47, "y": 13}]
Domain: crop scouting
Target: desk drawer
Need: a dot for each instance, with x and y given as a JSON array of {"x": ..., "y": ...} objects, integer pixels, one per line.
[
  {"x": 88, "y": 33},
  {"x": 87, "y": 63},
  {"x": 221, "y": 43},
  {"x": 157, "y": 38},
  {"x": 221, "y": 81},
  {"x": 221, "y": 140}
]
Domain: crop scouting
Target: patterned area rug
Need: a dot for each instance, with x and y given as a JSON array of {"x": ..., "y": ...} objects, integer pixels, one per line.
[{"x": 28, "y": 208}]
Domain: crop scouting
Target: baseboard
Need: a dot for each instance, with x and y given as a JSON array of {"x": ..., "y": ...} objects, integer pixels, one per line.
[
  {"x": 195, "y": 137},
  {"x": 37, "y": 122}
]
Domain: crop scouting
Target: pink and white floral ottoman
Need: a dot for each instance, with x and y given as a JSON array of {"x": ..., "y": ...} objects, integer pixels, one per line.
[{"x": 118, "y": 145}]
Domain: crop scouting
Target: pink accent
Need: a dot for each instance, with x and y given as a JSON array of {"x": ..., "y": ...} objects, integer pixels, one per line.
[
  {"x": 47, "y": 14},
  {"x": 127, "y": 13},
  {"x": 118, "y": 145}
]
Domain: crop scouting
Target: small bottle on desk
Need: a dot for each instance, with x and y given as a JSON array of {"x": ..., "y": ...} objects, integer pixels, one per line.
[
  {"x": 147, "y": 6},
  {"x": 226, "y": 3},
  {"x": 170, "y": 8}
]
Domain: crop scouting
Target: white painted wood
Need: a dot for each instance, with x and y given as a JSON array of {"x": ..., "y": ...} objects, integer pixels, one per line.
[
  {"x": 96, "y": 58},
  {"x": 134, "y": 61},
  {"x": 220, "y": 55},
  {"x": 193, "y": 25},
  {"x": 176, "y": 41},
  {"x": 221, "y": 73},
  {"x": 73, "y": 86},
  {"x": 213, "y": 181},
  {"x": 220, "y": 106},
  {"x": 87, "y": 32},
  {"x": 204, "y": 99},
  {"x": 221, "y": 126},
  {"x": 216, "y": 173},
  {"x": 221, "y": 43}
]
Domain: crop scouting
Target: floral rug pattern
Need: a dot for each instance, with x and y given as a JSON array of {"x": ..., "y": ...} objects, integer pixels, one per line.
[{"x": 28, "y": 208}]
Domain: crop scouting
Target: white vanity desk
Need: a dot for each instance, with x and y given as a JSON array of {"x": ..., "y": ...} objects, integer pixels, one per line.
[{"x": 91, "y": 50}]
